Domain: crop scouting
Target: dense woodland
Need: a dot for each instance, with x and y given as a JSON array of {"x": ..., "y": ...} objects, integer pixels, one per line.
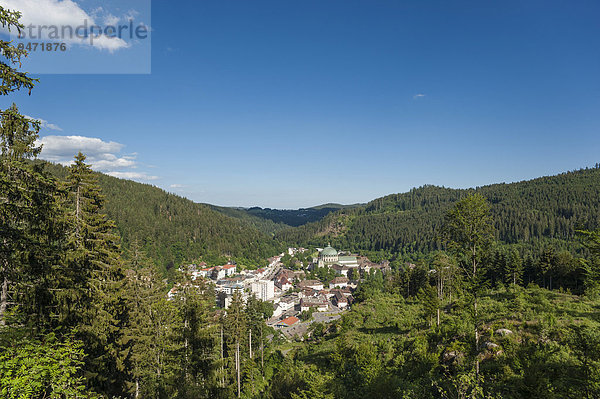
[
  {"x": 531, "y": 214},
  {"x": 501, "y": 298},
  {"x": 171, "y": 229}
]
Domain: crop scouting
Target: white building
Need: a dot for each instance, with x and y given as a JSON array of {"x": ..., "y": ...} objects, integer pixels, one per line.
[
  {"x": 282, "y": 307},
  {"x": 339, "y": 282},
  {"x": 229, "y": 270},
  {"x": 263, "y": 289}
]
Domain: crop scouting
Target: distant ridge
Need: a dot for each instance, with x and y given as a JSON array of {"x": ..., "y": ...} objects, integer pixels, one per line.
[{"x": 534, "y": 212}]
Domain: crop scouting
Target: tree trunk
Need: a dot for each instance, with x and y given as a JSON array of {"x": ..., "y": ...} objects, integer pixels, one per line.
[
  {"x": 222, "y": 362},
  {"x": 3, "y": 301},
  {"x": 476, "y": 338},
  {"x": 238, "y": 369},
  {"x": 250, "y": 341}
]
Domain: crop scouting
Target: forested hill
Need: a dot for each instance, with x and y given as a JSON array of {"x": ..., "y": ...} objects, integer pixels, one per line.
[
  {"x": 532, "y": 212},
  {"x": 274, "y": 220},
  {"x": 172, "y": 229}
]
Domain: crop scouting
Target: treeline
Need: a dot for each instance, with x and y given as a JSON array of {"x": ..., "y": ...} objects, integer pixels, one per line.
[
  {"x": 532, "y": 213},
  {"x": 171, "y": 229}
]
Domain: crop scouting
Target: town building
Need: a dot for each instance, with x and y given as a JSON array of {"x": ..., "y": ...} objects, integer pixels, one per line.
[
  {"x": 314, "y": 284},
  {"x": 283, "y": 283},
  {"x": 290, "y": 321},
  {"x": 340, "y": 300},
  {"x": 320, "y": 304},
  {"x": 263, "y": 289},
  {"x": 338, "y": 282}
]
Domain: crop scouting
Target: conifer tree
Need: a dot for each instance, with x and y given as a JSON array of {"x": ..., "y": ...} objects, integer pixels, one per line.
[
  {"x": 94, "y": 262},
  {"x": 235, "y": 324},
  {"x": 144, "y": 289},
  {"x": 196, "y": 338},
  {"x": 513, "y": 272},
  {"x": 468, "y": 231},
  {"x": 28, "y": 232}
]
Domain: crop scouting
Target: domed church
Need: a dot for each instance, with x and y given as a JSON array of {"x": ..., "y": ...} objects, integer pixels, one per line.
[{"x": 328, "y": 255}]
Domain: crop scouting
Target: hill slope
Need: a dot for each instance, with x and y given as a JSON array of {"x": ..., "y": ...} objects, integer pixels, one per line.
[
  {"x": 172, "y": 229},
  {"x": 532, "y": 212}
]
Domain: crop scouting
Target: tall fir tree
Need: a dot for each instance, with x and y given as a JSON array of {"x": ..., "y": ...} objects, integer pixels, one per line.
[{"x": 98, "y": 279}]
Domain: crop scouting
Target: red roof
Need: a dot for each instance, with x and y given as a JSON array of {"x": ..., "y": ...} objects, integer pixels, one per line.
[
  {"x": 290, "y": 321},
  {"x": 228, "y": 266}
]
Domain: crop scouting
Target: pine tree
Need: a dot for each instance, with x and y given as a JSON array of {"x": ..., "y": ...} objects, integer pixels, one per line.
[
  {"x": 468, "y": 231},
  {"x": 513, "y": 272},
  {"x": 235, "y": 325},
  {"x": 429, "y": 298},
  {"x": 196, "y": 337},
  {"x": 94, "y": 263},
  {"x": 144, "y": 289},
  {"x": 29, "y": 233}
]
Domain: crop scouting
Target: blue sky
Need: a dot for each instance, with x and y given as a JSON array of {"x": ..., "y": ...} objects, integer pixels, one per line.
[{"x": 293, "y": 104}]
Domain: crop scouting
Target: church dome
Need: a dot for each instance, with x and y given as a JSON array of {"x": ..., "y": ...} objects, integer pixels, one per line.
[{"x": 329, "y": 252}]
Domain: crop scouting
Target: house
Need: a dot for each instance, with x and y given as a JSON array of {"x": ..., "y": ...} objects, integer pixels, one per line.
[
  {"x": 230, "y": 270},
  {"x": 290, "y": 321},
  {"x": 320, "y": 304},
  {"x": 283, "y": 283},
  {"x": 218, "y": 273},
  {"x": 229, "y": 287},
  {"x": 328, "y": 294},
  {"x": 206, "y": 272},
  {"x": 307, "y": 293},
  {"x": 340, "y": 300},
  {"x": 344, "y": 291},
  {"x": 338, "y": 282},
  {"x": 314, "y": 284},
  {"x": 341, "y": 270}
]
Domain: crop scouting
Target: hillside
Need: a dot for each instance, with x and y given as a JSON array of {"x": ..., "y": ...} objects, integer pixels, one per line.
[
  {"x": 172, "y": 229},
  {"x": 531, "y": 212},
  {"x": 276, "y": 220}
]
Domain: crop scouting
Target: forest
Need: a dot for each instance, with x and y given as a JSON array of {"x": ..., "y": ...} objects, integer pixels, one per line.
[
  {"x": 171, "y": 229},
  {"x": 529, "y": 215},
  {"x": 493, "y": 292}
]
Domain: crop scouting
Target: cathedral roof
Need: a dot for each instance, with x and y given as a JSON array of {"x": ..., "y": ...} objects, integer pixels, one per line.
[{"x": 329, "y": 251}]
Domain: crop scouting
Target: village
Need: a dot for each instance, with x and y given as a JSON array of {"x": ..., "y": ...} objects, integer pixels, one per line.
[{"x": 297, "y": 299}]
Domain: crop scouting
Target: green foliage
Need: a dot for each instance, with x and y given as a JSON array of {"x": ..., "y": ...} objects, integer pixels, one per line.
[
  {"x": 591, "y": 266},
  {"x": 544, "y": 347},
  {"x": 43, "y": 369},
  {"x": 429, "y": 298}
]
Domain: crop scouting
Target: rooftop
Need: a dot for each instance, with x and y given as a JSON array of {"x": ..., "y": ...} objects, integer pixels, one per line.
[{"x": 289, "y": 321}]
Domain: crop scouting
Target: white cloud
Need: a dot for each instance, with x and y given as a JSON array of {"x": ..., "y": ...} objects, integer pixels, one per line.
[
  {"x": 420, "y": 95},
  {"x": 44, "y": 124},
  {"x": 62, "y": 149},
  {"x": 132, "y": 175},
  {"x": 103, "y": 156},
  {"x": 63, "y": 13},
  {"x": 176, "y": 186}
]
